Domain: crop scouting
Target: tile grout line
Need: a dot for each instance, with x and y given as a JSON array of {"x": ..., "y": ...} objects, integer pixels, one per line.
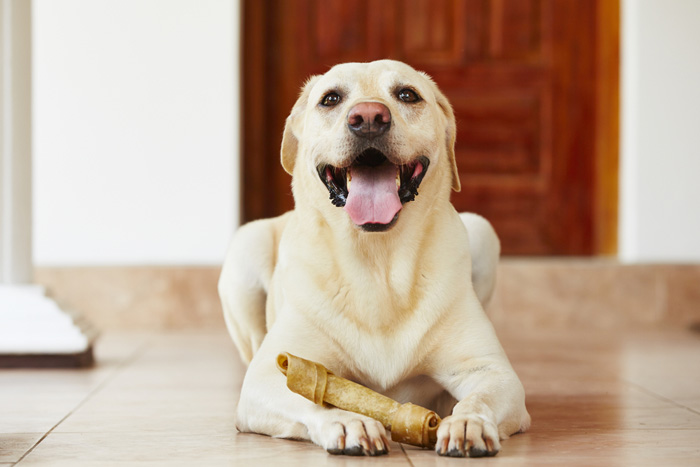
[
  {"x": 660, "y": 397},
  {"x": 128, "y": 361},
  {"x": 406, "y": 455}
]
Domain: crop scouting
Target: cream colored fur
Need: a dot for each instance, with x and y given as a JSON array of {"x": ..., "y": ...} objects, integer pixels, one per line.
[{"x": 398, "y": 311}]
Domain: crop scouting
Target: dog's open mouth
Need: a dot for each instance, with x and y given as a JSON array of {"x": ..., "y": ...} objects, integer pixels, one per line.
[{"x": 372, "y": 190}]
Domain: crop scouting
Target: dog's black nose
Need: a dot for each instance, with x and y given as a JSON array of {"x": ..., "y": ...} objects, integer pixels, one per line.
[{"x": 369, "y": 119}]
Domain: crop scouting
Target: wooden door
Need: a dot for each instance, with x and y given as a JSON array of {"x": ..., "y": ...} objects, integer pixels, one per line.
[{"x": 533, "y": 84}]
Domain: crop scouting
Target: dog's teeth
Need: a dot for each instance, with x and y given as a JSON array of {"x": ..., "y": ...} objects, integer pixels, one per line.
[
  {"x": 349, "y": 178},
  {"x": 398, "y": 178}
]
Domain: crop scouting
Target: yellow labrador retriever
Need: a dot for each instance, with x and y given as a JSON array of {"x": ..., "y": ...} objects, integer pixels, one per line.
[{"x": 373, "y": 274}]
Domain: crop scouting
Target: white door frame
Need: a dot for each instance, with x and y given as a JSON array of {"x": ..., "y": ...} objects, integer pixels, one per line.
[{"x": 15, "y": 142}]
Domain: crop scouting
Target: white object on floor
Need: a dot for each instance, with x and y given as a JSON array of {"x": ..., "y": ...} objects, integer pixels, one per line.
[{"x": 31, "y": 323}]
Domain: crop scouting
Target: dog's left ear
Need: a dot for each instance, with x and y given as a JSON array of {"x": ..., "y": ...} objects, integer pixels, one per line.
[
  {"x": 450, "y": 136},
  {"x": 290, "y": 140}
]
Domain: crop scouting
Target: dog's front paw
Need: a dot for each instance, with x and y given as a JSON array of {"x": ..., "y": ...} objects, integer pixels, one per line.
[
  {"x": 467, "y": 436},
  {"x": 353, "y": 436}
]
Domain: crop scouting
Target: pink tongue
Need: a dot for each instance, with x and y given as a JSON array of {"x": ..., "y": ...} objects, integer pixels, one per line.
[{"x": 373, "y": 196}]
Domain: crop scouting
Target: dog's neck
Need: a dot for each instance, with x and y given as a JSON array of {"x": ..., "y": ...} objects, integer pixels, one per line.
[
  {"x": 389, "y": 271},
  {"x": 379, "y": 254},
  {"x": 376, "y": 269}
]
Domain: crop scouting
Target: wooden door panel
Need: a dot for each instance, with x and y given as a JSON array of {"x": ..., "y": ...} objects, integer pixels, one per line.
[
  {"x": 500, "y": 135},
  {"x": 520, "y": 75},
  {"x": 432, "y": 32},
  {"x": 342, "y": 31},
  {"x": 516, "y": 29}
]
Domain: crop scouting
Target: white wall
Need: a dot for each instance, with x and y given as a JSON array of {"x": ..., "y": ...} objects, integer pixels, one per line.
[
  {"x": 135, "y": 131},
  {"x": 660, "y": 150}
]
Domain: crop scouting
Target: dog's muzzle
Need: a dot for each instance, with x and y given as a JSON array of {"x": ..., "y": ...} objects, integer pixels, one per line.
[{"x": 372, "y": 189}]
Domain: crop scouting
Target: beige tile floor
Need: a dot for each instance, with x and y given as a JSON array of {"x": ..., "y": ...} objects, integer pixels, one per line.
[{"x": 168, "y": 399}]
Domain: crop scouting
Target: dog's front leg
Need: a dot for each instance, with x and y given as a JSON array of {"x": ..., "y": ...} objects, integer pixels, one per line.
[
  {"x": 491, "y": 398},
  {"x": 268, "y": 407}
]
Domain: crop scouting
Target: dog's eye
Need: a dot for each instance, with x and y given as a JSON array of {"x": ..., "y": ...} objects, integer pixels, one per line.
[
  {"x": 331, "y": 99},
  {"x": 408, "y": 95}
]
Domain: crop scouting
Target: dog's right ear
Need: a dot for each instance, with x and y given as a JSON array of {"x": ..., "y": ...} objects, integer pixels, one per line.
[
  {"x": 290, "y": 139},
  {"x": 450, "y": 137}
]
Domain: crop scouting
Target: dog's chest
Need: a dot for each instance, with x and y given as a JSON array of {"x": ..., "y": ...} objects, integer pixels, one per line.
[
  {"x": 380, "y": 362},
  {"x": 382, "y": 352},
  {"x": 380, "y": 318}
]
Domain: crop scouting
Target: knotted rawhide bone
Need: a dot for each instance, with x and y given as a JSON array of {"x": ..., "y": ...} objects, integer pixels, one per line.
[{"x": 408, "y": 423}]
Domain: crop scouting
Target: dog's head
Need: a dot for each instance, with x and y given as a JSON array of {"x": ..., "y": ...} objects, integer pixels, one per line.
[{"x": 373, "y": 136}]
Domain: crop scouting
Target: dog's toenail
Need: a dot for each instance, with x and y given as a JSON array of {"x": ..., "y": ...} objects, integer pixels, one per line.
[{"x": 353, "y": 451}]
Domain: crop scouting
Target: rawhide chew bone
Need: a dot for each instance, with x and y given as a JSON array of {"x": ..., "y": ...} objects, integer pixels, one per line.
[{"x": 408, "y": 423}]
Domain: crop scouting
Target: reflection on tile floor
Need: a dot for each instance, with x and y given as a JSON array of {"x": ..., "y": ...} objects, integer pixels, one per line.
[{"x": 169, "y": 398}]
